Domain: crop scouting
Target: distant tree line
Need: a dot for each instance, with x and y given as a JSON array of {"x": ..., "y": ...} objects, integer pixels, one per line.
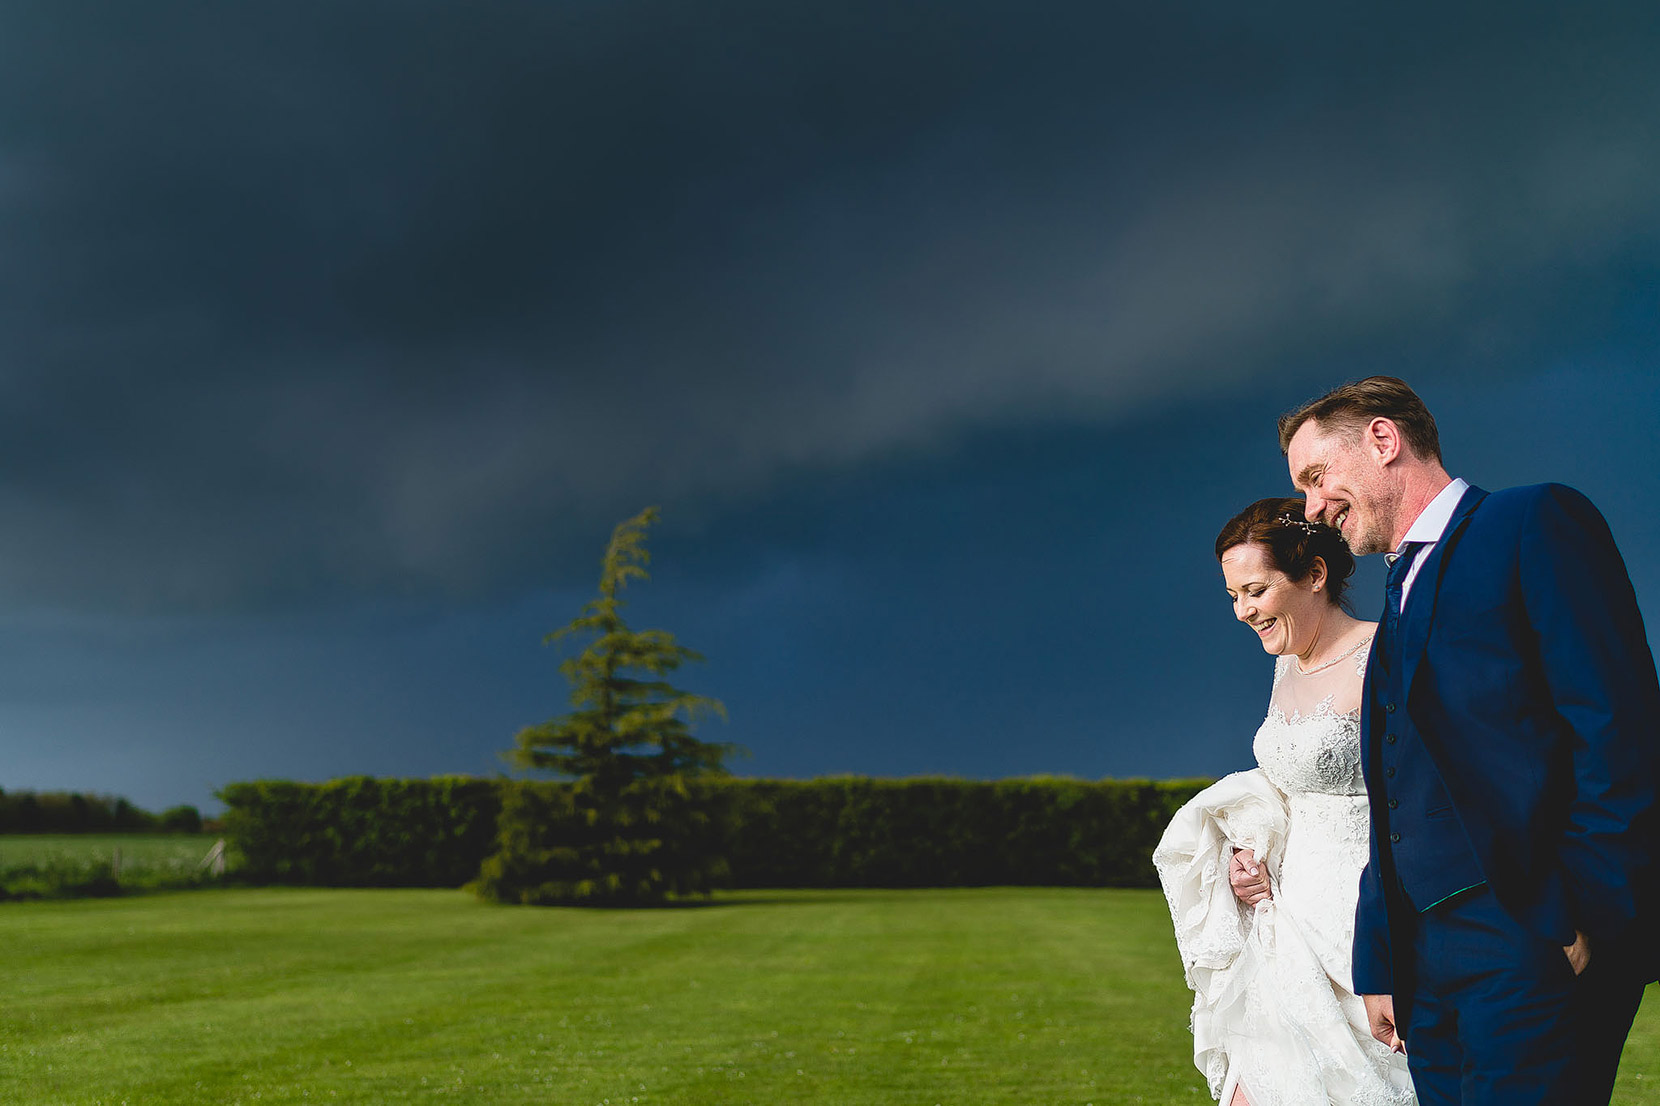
[{"x": 75, "y": 812}]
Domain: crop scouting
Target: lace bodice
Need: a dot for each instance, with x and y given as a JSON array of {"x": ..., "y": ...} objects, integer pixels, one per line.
[
  {"x": 1310, "y": 741},
  {"x": 1309, "y": 747}
]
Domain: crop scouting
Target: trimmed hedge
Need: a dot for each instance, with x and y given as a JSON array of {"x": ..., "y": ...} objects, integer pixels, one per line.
[
  {"x": 361, "y": 831},
  {"x": 832, "y": 832},
  {"x": 861, "y": 832}
]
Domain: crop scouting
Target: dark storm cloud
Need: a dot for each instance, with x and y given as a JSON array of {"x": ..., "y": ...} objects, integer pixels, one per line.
[{"x": 305, "y": 298}]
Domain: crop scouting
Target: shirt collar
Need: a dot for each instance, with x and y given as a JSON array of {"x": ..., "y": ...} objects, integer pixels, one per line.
[{"x": 1431, "y": 523}]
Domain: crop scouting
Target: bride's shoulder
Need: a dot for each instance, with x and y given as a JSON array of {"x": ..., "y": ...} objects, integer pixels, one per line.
[{"x": 1363, "y": 649}]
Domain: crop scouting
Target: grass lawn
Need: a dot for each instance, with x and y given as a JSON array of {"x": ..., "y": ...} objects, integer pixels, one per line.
[{"x": 946, "y": 996}]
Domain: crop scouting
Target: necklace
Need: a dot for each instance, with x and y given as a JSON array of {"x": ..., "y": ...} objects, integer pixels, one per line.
[{"x": 1323, "y": 665}]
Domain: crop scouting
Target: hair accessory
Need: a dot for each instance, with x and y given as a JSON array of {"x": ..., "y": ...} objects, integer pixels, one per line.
[{"x": 1302, "y": 524}]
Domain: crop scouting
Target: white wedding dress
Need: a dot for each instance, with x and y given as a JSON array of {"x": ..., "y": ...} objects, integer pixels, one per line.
[{"x": 1274, "y": 1009}]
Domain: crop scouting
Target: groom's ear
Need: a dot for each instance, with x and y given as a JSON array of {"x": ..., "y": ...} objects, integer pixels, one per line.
[{"x": 1383, "y": 440}]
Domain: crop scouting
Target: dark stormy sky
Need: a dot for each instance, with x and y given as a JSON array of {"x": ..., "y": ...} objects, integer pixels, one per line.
[{"x": 335, "y": 337}]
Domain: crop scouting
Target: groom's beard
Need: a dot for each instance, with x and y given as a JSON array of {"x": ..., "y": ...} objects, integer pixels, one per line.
[
  {"x": 1367, "y": 535},
  {"x": 1374, "y": 520},
  {"x": 1369, "y": 541}
]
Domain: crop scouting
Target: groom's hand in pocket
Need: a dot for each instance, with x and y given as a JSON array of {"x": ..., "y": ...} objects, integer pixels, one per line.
[
  {"x": 1579, "y": 953},
  {"x": 1248, "y": 877},
  {"x": 1380, "y": 1018}
]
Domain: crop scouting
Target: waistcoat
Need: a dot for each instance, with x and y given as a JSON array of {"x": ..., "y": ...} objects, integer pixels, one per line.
[{"x": 1420, "y": 829}]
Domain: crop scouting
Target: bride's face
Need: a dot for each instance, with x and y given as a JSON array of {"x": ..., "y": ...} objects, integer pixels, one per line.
[{"x": 1285, "y": 613}]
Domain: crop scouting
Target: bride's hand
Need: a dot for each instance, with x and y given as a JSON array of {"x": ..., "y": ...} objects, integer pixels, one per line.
[{"x": 1248, "y": 877}]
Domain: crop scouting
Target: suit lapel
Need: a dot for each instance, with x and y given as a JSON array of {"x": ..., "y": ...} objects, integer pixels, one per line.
[{"x": 1421, "y": 601}]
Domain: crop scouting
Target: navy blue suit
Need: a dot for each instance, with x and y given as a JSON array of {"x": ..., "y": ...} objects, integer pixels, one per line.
[{"x": 1511, "y": 745}]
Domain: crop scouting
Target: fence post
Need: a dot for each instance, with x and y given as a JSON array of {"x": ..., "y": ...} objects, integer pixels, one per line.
[{"x": 214, "y": 861}]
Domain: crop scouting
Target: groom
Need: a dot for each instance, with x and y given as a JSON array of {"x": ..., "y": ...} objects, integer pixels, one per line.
[{"x": 1511, "y": 746}]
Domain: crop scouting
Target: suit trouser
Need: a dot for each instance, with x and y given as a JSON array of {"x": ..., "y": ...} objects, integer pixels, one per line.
[{"x": 1498, "y": 1016}]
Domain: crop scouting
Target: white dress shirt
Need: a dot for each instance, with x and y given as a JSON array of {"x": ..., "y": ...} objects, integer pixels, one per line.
[{"x": 1428, "y": 528}]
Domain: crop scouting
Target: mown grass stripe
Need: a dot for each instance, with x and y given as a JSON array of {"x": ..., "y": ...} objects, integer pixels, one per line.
[{"x": 990, "y": 995}]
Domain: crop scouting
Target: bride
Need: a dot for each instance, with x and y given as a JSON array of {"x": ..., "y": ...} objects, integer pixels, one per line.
[{"x": 1262, "y": 868}]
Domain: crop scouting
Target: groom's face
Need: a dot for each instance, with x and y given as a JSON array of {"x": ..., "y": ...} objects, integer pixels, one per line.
[{"x": 1343, "y": 486}]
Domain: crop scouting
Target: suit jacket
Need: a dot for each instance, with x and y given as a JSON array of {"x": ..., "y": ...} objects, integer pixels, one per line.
[{"x": 1527, "y": 675}]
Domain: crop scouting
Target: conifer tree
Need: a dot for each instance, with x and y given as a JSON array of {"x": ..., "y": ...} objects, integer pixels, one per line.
[{"x": 629, "y": 828}]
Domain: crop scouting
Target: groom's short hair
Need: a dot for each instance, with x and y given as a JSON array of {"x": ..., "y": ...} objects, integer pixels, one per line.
[{"x": 1354, "y": 405}]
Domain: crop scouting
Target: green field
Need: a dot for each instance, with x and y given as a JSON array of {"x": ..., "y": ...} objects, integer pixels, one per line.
[
  {"x": 74, "y": 865},
  {"x": 142, "y": 850},
  {"x": 286, "y": 995}
]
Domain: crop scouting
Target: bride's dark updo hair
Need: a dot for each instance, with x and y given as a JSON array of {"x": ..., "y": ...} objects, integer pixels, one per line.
[{"x": 1292, "y": 542}]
